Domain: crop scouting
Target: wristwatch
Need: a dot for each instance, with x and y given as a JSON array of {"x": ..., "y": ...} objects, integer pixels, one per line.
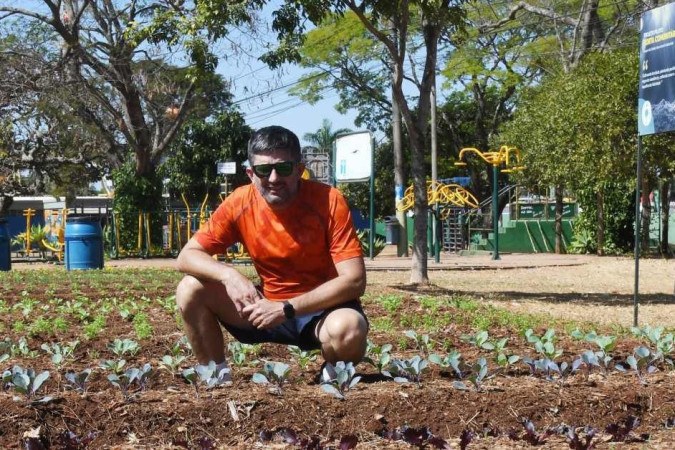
[{"x": 289, "y": 311}]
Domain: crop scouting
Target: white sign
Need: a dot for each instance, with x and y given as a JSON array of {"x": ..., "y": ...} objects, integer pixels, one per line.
[
  {"x": 227, "y": 168},
  {"x": 656, "y": 95},
  {"x": 353, "y": 157}
]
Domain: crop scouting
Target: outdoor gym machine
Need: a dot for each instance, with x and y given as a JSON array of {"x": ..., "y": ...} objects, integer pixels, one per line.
[{"x": 495, "y": 158}]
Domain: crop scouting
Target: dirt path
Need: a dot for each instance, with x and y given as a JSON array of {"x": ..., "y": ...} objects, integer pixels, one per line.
[{"x": 598, "y": 289}]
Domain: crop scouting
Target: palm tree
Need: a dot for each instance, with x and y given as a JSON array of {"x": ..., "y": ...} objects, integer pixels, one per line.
[{"x": 324, "y": 137}]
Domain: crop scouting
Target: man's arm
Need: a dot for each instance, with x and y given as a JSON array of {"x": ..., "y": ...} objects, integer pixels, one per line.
[
  {"x": 350, "y": 284},
  {"x": 196, "y": 261}
]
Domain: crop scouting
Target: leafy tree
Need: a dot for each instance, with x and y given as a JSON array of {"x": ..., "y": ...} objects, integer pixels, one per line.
[
  {"x": 115, "y": 55},
  {"x": 570, "y": 29},
  {"x": 658, "y": 164},
  {"x": 9, "y": 183},
  {"x": 575, "y": 135},
  {"x": 191, "y": 166},
  {"x": 392, "y": 26},
  {"x": 486, "y": 71},
  {"x": 324, "y": 137},
  {"x": 346, "y": 59}
]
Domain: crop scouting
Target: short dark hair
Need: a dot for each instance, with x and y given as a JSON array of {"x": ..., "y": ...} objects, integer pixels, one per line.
[{"x": 268, "y": 139}]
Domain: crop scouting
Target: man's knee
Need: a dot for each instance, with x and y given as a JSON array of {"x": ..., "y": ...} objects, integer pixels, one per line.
[
  {"x": 346, "y": 333},
  {"x": 188, "y": 291}
]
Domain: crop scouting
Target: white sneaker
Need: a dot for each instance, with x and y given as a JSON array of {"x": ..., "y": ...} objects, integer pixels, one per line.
[
  {"x": 223, "y": 372},
  {"x": 327, "y": 372},
  {"x": 224, "y": 375}
]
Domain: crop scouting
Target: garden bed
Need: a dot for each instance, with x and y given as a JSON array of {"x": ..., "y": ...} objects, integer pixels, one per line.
[{"x": 512, "y": 405}]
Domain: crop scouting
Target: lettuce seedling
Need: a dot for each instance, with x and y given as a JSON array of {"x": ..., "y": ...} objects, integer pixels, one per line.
[
  {"x": 479, "y": 372},
  {"x": 132, "y": 376},
  {"x": 623, "y": 431},
  {"x": 78, "y": 380},
  {"x": 422, "y": 341},
  {"x": 404, "y": 371},
  {"x": 60, "y": 352},
  {"x": 582, "y": 440},
  {"x": 114, "y": 366},
  {"x": 417, "y": 437},
  {"x": 544, "y": 344},
  {"x": 121, "y": 347},
  {"x": 172, "y": 363},
  {"x": 25, "y": 381},
  {"x": 531, "y": 436},
  {"x": 480, "y": 340},
  {"x": 641, "y": 362},
  {"x": 274, "y": 373},
  {"x": 378, "y": 356},
  {"x": 452, "y": 360},
  {"x": 212, "y": 377},
  {"x": 339, "y": 378},
  {"x": 303, "y": 357},
  {"x": 70, "y": 440},
  {"x": 465, "y": 439}
]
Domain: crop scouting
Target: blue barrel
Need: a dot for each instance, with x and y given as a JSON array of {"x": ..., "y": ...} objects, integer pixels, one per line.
[
  {"x": 84, "y": 243},
  {"x": 5, "y": 255}
]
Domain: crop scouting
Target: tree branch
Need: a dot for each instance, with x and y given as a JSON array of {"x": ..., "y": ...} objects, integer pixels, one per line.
[{"x": 520, "y": 6}]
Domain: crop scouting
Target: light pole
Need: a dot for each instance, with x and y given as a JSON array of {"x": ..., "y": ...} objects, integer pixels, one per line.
[{"x": 494, "y": 158}]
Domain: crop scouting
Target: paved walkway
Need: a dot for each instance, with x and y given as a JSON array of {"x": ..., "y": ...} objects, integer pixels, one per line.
[{"x": 387, "y": 260}]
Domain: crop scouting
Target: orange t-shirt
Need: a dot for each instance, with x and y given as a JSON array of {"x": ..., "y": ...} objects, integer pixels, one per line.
[{"x": 293, "y": 250}]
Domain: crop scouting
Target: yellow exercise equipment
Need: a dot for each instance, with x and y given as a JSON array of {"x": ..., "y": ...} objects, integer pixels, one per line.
[
  {"x": 55, "y": 229},
  {"x": 441, "y": 194}
]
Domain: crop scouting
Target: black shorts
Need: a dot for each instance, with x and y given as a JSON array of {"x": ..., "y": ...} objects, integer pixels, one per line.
[{"x": 298, "y": 331}]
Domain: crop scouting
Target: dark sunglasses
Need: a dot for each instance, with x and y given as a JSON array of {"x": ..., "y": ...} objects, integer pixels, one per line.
[{"x": 283, "y": 169}]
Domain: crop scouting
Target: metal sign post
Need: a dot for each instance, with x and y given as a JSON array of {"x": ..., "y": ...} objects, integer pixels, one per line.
[
  {"x": 656, "y": 99},
  {"x": 226, "y": 168}
]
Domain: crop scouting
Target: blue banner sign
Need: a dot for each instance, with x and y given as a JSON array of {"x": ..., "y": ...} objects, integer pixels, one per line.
[{"x": 656, "y": 99}]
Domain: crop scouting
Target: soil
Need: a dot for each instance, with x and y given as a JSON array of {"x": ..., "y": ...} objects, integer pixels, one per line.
[{"x": 169, "y": 413}]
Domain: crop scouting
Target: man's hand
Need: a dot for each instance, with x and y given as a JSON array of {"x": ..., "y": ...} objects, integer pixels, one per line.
[
  {"x": 241, "y": 291},
  {"x": 264, "y": 314}
]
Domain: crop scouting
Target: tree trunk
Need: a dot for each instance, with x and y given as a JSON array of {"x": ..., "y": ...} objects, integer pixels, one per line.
[
  {"x": 601, "y": 223},
  {"x": 559, "y": 244},
  {"x": 418, "y": 273},
  {"x": 664, "y": 197}
]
